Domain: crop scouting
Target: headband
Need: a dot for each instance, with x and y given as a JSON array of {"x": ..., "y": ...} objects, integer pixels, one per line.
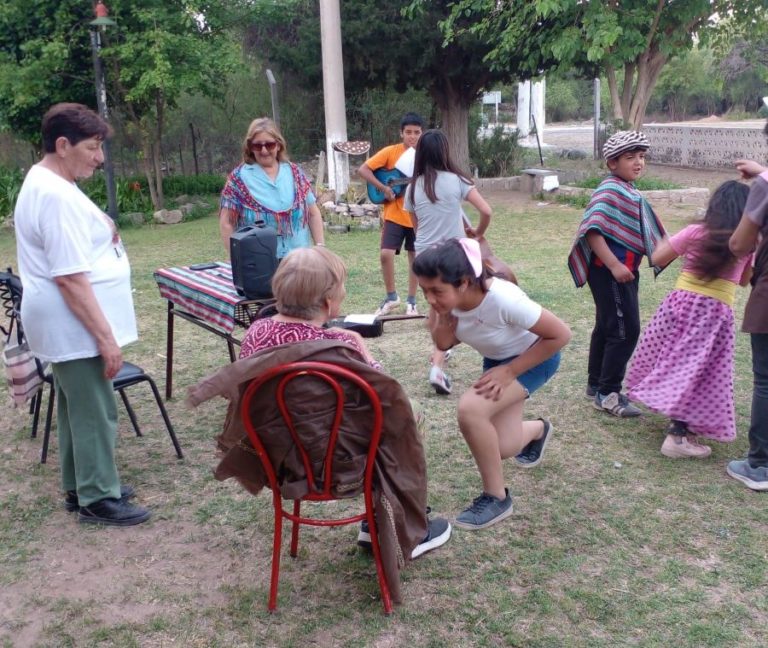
[{"x": 472, "y": 249}]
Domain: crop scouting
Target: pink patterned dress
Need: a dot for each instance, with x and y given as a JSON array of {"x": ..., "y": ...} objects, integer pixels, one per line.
[
  {"x": 683, "y": 365},
  {"x": 267, "y": 333}
]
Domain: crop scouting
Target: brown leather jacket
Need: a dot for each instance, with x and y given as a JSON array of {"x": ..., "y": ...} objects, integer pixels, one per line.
[{"x": 400, "y": 482}]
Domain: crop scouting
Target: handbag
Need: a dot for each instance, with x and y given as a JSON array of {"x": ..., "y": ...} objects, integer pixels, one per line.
[{"x": 24, "y": 379}]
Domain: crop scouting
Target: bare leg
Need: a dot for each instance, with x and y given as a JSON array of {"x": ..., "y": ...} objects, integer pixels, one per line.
[
  {"x": 437, "y": 358},
  {"x": 476, "y": 421},
  {"x": 514, "y": 433},
  {"x": 387, "y": 258},
  {"x": 413, "y": 282}
]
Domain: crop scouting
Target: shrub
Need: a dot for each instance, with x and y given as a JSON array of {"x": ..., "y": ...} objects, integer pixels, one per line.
[
  {"x": 130, "y": 195},
  {"x": 497, "y": 155},
  {"x": 10, "y": 185},
  {"x": 643, "y": 184},
  {"x": 209, "y": 183}
]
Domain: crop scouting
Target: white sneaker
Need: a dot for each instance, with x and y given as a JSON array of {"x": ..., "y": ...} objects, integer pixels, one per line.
[
  {"x": 439, "y": 381},
  {"x": 387, "y": 306},
  {"x": 410, "y": 309}
]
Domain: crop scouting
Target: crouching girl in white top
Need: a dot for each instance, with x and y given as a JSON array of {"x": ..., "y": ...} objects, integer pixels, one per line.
[{"x": 520, "y": 343}]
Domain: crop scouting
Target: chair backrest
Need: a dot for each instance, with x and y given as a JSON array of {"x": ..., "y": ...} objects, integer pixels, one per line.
[
  {"x": 277, "y": 380},
  {"x": 10, "y": 302}
]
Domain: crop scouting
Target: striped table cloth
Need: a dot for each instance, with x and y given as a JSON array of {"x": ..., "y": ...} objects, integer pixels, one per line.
[{"x": 207, "y": 294}]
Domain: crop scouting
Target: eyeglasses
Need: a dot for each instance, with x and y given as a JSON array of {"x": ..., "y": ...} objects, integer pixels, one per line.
[{"x": 270, "y": 146}]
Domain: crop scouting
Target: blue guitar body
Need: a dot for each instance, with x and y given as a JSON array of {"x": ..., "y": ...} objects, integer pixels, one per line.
[{"x": 390, "y": 177}]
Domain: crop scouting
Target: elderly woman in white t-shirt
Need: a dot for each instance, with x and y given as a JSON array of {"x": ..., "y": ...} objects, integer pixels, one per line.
[{"x": 77, "y": 309}]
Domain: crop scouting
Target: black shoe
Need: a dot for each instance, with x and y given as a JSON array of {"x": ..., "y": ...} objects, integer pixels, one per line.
[
  {"x": 532, "y": 454},
  {"x": 364, "y": 536},
  {"x": 115, "y": 512},
  {"x": 73, "y": 506}
]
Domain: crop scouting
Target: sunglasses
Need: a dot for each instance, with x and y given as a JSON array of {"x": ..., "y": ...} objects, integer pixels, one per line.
[{"x": 270, "y": 146}]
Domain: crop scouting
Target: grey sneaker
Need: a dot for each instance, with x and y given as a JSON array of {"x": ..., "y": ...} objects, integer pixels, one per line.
[
  {"x": 754, "y": 478},
  {"x": 484, "y": 511},
  {"x": 590, "y": 392},
  {"x": 532, "y": 454},
  {"x": 387, "y": 306},
  {"x": 616, "y": 404},
  {"x": 438, "y": 533}
]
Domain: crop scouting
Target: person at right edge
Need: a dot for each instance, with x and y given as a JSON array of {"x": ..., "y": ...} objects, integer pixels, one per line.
[
  {"x": 752, "y": 232},
  {"x": 618, "y": 228}
]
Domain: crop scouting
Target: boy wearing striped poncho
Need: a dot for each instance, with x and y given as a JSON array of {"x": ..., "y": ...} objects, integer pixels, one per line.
[{"x": 618, "y": 228}]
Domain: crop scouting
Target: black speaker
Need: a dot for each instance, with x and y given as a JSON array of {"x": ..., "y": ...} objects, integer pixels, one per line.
[{"x": 253, "y": 252}]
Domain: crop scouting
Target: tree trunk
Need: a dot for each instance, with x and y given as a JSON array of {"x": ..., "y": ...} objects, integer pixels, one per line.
[
  {"x": 648, "y": 71},
  {"x": 159, "y": 107},
  {"x": 626, "y": 93},
  {"x": 613, "y": 88},
  {"x": 454, "y": 119},
  {"x": 146, "y": 163}
]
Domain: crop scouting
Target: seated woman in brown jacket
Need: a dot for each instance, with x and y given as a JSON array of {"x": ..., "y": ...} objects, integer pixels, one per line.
[{"x": 309, "y": 289}]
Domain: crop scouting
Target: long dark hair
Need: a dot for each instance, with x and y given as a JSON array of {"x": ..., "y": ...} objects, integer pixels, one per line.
[
  {"x": 448, "y": 262},
  {"x": 433, "y": 155},
  {"x": 724, "y": 211}
]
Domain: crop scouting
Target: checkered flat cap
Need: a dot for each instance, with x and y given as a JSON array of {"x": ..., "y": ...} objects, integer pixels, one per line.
[{"x": 623, "y": 141}]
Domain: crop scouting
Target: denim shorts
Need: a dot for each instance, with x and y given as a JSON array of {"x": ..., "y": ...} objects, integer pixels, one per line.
[{"x": 532, "y": 379}]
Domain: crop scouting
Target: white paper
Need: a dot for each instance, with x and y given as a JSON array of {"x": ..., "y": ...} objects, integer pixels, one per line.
[
  {"x": 549, "y": 183},
  {"x": 360, "y": 318},
  {"x": 405, "y": 162}
]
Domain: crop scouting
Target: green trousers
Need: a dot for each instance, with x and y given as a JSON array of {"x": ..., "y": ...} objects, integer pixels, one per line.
[{"x": 87, "y": 425}]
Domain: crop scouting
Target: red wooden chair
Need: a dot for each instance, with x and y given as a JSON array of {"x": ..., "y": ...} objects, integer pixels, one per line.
[{"x": 318, "y": 492}]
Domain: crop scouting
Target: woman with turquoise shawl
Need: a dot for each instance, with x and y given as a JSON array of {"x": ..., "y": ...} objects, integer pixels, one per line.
[{"x": 266, "y": 186}]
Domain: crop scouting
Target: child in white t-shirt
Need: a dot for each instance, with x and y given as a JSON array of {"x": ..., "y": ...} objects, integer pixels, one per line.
[{"x": 520, "y": 342}]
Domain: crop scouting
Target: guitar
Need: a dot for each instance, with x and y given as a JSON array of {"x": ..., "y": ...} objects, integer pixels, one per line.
[{"x": 390, "y": 177}]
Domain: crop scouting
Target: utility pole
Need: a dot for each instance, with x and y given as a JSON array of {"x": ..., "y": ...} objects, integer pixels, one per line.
[
  {"x": 333, "y": 95},
  {"x": 97, "y": 27}
]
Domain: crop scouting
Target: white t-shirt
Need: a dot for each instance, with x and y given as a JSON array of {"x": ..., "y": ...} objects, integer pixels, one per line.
[
  {"x": 498, "y": 327},
  {"x": 442, "y": 219},
  {"x": 59, "y": 232}
]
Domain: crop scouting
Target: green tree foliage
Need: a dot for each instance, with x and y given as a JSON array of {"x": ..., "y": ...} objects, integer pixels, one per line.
[
  {"x": 395, "y": 44},
  {"x": 637, "y": 37},
  {"x": 45, "y": 58},
  {"x": 159, "y": 50},
  {"x": 162, "y": 50},
  {"x": 690, "y": 85}
]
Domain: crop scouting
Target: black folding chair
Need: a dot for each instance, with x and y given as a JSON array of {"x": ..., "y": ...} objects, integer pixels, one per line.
[{"x": 129, "y": 374}]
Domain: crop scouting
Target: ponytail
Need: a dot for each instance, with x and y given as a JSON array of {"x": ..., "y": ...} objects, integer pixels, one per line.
[{"x": 448, "y": 262}]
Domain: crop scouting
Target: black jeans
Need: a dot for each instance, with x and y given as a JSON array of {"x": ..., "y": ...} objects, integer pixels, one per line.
[
  {"x": 758, "y": 429},
  {"x": 617, "y": 328}
]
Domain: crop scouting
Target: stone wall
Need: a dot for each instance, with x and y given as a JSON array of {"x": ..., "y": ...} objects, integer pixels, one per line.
[
  {"x": 713, "y": 147},
  {"x": 657, "y": 197}
]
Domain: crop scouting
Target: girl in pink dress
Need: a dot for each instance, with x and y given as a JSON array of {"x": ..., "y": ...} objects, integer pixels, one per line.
[{"x": 683, "y": 366}]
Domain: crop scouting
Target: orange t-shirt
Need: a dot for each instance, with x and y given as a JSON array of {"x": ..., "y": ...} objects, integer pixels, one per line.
[{"x": 386, "y": 158}]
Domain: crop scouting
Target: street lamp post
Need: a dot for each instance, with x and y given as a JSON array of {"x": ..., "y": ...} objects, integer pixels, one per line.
[{"x": 97, "y": 25}]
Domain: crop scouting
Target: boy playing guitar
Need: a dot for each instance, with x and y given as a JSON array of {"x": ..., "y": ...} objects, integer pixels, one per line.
[{"x": 398, "y": 227}]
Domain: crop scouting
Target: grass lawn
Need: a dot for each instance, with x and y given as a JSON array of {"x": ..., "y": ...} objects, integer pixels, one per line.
[{"x": 611, "y": 543}]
